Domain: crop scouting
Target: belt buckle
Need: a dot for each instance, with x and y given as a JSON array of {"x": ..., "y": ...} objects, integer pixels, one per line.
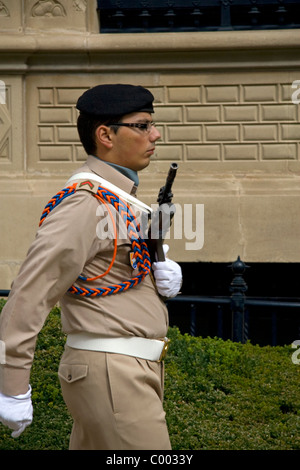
[{"x": 164, "y": 349}]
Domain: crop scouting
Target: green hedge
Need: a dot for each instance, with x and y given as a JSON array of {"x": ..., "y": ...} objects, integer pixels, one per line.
[{"x": 218, "y": 395}]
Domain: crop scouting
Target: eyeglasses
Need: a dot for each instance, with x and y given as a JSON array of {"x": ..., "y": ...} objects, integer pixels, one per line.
[{"x": 143, "y": 126}]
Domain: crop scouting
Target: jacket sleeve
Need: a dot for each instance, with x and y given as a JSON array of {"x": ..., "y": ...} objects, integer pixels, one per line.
[{"x": 56, "y": 257}]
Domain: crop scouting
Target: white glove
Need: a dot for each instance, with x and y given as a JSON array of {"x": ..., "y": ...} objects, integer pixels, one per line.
[
  {"x": 16, "y": 412},
  {"x": 168, "y": 276}
]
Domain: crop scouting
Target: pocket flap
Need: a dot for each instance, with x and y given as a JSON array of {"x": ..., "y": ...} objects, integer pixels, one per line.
[{"x": 72, "y": 372}]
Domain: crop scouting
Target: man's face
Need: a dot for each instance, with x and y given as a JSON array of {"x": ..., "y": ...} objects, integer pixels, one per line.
[{"x": 133, "y": 147}]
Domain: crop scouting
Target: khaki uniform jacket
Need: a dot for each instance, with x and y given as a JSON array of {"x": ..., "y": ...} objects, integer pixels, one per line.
[{"x": 67, "y": 245}]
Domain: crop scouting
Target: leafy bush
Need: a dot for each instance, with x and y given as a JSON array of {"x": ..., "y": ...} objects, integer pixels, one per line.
[
  {"x": 218, "y": 395},
  {"x": 230, "y": 396}
]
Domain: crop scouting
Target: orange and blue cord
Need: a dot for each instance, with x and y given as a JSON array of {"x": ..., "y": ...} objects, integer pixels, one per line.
[{"x": 138, "y": 244}]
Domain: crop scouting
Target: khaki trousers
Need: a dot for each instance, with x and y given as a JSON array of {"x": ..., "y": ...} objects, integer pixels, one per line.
[{"x": 115, "y": 401}]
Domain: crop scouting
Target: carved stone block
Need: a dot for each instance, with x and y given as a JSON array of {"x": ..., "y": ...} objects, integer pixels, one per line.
[{"x": 56, "y": 15}]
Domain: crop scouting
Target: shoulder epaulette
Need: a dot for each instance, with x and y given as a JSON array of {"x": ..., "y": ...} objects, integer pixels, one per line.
[{"x": 87, "y": 185}]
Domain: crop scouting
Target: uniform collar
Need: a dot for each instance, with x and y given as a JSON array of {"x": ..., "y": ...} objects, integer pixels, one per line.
[
  {"x": 110, "y": 173},
  {"x": 131, "y": 174}
]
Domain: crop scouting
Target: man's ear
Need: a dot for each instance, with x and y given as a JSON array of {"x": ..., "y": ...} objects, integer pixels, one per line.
[{"x": 103, "y": 135}]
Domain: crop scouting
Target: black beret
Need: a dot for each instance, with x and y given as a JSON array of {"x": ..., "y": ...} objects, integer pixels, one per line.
[{"x": 115, "y": 100}]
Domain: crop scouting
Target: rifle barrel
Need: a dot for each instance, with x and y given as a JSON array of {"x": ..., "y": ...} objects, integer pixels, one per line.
[{"x": 170, "y": 178}]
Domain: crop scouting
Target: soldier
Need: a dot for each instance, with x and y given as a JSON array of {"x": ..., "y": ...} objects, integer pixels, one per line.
[{"x": 112, "y": 308}]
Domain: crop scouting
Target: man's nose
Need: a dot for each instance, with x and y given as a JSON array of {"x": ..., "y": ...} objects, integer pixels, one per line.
[{"x": 154, "y": 134}]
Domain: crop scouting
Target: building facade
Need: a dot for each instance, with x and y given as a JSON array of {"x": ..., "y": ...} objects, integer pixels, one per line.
[{"x": 226, "y": 104}]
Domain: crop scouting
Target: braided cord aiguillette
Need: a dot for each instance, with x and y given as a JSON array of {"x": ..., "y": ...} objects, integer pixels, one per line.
[{"x": 138, "y": 244}]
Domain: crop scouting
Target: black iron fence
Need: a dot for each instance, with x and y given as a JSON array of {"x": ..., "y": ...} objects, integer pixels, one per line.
[
  {"x": 136, "y": 16},
  {"x": 238, "y": 317}
]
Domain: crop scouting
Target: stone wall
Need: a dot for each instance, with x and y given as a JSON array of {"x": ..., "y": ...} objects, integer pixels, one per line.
[{"x": 223, "y": 106}]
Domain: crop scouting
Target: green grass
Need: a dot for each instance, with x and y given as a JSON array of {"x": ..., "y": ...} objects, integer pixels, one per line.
[{"x": 218, "y": 395}]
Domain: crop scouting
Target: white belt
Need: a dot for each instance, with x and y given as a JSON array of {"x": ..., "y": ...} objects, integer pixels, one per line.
[{"x": 144, "y": 348}]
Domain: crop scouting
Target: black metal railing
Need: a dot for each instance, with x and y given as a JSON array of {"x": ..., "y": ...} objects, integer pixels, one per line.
[
  {"x": 241, "y": 308},
  {"x": 4, "y": 293},
  {"x": 138, "y": 16}
]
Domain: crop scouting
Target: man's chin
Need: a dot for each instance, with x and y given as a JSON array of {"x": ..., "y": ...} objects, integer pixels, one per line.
[{"x": 144, "y": 165}]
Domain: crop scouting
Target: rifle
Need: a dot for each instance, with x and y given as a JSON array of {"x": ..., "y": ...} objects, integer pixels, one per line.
[{"x": 162, "y": 217}]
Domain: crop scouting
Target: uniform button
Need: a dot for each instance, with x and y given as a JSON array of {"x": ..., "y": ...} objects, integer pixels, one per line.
[{"x": 69, "y": 377}]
